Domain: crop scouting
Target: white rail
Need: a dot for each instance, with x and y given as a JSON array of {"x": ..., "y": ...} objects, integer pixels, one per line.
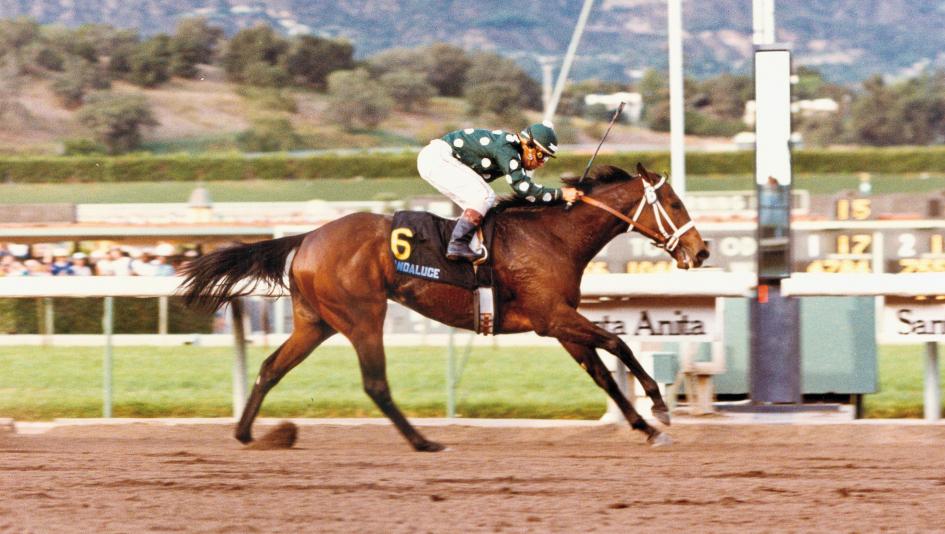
[
  {"x": 681, "y": 283},
  {"x": 864, "y": 285}
]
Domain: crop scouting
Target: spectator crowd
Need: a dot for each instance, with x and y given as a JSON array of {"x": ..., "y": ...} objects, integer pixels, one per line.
[{"x": 161, "y": 260}]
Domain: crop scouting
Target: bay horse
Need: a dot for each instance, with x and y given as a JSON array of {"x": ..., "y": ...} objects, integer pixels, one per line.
[{"x": 342, "y": 275}]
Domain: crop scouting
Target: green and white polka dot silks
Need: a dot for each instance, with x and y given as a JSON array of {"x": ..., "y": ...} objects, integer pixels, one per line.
[{"x": 498, "y": 154}]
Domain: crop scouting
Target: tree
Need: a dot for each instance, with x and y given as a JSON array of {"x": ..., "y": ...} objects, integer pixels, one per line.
[
  {"x": 357, "y": 100},
  {"x": 262, "y": 74},
  {"x": 399, "y": 60},
  {"x": 269, "y": 135},
  {"x": 873, "y": 119},
  {"x": 448, "y": 68},
  {"x": 489, "y": 72},
  {"x": 15, "y": 36},
  {"x": 408, "y": 90},
  {"x": 116, "y": 120},
  {"x": 921, "y": 105},
  {"x": 654, "y": 91},
  {"x": 49, "y": 59},
  {"x": 443, "y": 66},
  {"x": 492, "y": 97},
  {"x": 250, "y": 46},
  {"x": 150, "y": 62},
  {"x": 311, "y": 59},
  {"x": 725, "y": 96},
  {"x": 193, "y": 43},
  {"x": 78, "y": 77}
]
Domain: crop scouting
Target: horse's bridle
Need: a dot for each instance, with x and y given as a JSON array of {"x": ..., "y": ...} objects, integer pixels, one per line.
[{"x": 664, "y": 239}]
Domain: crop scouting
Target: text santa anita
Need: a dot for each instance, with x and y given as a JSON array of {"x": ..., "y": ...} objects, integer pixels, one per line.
[{"x": 679, "y": 325}]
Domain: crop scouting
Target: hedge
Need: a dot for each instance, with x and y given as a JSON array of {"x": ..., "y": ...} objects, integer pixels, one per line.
[
  {"x": 84, "y": 316},
  {"x": 188, "y": 168}
]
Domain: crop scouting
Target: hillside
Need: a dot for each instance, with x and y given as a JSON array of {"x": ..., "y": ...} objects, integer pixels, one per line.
[
  {"x": 208, "y": 113},
  {"x": 847, "y": 39}
]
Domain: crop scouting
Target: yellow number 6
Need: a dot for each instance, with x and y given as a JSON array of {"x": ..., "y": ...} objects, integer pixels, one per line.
[{"x": 400, "y": 246}]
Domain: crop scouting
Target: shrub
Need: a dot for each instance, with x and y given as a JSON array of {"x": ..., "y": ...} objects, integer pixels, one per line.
[
  {"x": 117, "y": 121},
  {"x": 269, "y": 135}
]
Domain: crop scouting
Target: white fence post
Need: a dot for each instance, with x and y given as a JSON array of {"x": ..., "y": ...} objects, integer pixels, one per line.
[{"x": 933, "y": 392}]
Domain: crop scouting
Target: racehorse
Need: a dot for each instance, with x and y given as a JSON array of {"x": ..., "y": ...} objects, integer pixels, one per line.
[{"x": 342, "y": 275}]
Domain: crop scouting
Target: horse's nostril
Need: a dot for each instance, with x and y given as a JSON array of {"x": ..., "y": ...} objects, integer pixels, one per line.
[{"x": 702, "y": 255}]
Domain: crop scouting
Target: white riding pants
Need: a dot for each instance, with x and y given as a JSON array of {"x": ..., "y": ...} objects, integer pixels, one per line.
[{"x": 449, "y": 176}]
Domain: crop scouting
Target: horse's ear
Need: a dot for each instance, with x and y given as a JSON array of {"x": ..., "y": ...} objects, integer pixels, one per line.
[{"x": 641, "y": 170}]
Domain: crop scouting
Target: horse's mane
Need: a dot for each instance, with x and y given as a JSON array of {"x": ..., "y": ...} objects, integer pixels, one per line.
[{"x": 599, "y": 174}]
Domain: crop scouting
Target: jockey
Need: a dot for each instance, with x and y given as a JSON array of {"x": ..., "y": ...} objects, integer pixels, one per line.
[{"x": 460, "y": 164}]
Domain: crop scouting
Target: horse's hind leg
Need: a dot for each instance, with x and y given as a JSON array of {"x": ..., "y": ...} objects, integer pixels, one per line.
[
  {"x": 588, "y": 359},
  {"x": 305, "y": 337},
  {"x": 370, "y": 348}
]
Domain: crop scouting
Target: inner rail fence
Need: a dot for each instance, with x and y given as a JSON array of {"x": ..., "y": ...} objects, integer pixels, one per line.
[{"x": 923, "y": 293}]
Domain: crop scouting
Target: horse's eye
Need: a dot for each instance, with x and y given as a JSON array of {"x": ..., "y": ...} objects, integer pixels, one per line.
[{"x": 676, "y": 205}]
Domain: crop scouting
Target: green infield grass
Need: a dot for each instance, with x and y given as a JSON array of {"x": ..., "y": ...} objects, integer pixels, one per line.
[
  {"x": 188, "y": 381},
  {"x": 535, "y": 382},
  {"x": 386, "y": 189},
  {"x": 901, "y": 387}
]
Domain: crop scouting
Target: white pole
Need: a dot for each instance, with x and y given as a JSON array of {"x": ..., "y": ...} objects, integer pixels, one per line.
[
  {"x": 547, "y": 63},
  {"x": 162, "y": 315},
  {"x": 763, "y": 22},
  {"x": 933, "y": 392},
  {"x": 677, "y": 122},
  {"x": 568, "y": 58},
  {"x": 108, "y": 322}
]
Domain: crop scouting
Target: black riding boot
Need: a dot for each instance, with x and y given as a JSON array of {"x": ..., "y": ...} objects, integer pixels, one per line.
[{"x": 466, "y": 226}]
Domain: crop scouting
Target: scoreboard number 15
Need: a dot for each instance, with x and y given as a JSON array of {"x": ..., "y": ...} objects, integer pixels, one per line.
[{"x": 855, "y": 209}]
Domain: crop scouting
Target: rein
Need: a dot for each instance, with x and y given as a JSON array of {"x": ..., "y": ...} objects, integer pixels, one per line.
[{"x": 664, "y": 239}]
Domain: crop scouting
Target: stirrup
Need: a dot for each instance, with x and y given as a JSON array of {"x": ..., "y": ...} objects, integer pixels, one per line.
[{"x": 466, "y": 255}]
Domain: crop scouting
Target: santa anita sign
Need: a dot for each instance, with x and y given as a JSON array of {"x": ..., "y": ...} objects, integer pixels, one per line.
[
  {"x": 657, "y": 319},
  {"x": 911, "y": 320}
]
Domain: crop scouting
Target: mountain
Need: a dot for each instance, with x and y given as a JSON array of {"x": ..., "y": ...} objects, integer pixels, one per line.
[{"x": 848, "y": 40}]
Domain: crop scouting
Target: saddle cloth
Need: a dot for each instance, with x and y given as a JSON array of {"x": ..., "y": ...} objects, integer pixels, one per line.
[{"x": 418, "y": 243}]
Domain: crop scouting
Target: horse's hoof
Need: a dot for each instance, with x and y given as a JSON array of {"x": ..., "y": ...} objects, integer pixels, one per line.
[
  {"x": 660, "y": 440},
  {"x": 662, "y": 416},
  {"x": 243, "y": 437},
  {"x": 430, "y": 446}
]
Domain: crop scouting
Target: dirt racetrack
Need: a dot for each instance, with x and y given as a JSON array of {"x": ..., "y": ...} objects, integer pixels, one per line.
[{"x": 716, "y": 478}]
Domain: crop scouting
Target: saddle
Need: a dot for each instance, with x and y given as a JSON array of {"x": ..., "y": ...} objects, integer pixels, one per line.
[{"x": 418, "y": 243}]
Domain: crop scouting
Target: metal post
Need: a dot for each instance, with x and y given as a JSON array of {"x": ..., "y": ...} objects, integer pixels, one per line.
[
  {"x": 763, "y": 22},
  {"x": 933, "y": 393},
  {"x": 619, "y": 371},
  {"x": 547, "y": 63},
  {"x": 107, "y": 328},
  {"x": 278, "y": 311},
  {"x": 239, "y": 360},
  {"x": 451, "y": 375},
  {"x": 568, "y": 59},
  {"x": 162, "y": 315},
  {"x": 49, "y": 321},
  {"x": 677, "y": 121}
]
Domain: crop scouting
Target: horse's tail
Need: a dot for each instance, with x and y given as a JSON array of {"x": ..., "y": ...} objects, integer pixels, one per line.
[{"x": 209, "y": 280}]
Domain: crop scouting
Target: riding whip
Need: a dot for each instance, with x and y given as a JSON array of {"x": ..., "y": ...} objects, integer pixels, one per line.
[{"x": 609, "y": 126}]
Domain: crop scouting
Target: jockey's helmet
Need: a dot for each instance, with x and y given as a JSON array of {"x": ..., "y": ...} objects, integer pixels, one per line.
[{"x": 543, "y": 136}]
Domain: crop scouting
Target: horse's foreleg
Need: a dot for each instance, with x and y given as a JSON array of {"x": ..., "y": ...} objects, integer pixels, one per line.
[
  {"x": 567, "y": 324},
  {"x": 370, "y": 350},
  {"x": 588, "y": 359},
  {"x": 305, "y": 337}
]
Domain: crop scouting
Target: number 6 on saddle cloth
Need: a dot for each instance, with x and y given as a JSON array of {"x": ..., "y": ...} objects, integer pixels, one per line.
[{"x": 418, "y": 243}]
